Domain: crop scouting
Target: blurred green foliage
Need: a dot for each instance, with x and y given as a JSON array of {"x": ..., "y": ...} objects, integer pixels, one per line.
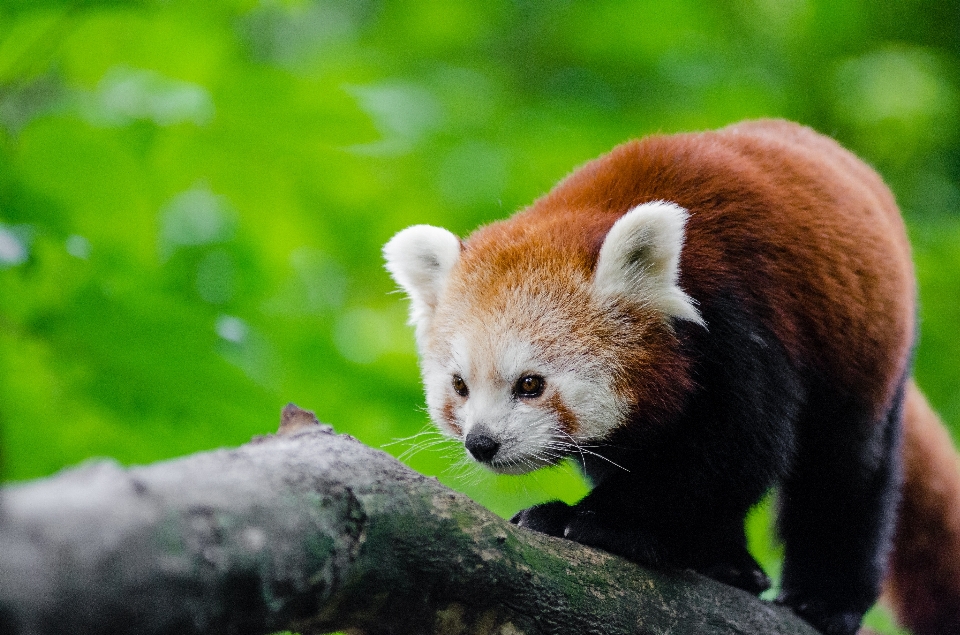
[{"x": 193, "y": 194}]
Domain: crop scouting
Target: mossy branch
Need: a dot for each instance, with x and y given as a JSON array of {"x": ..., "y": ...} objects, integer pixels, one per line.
[{"x": 314, "y": 532}]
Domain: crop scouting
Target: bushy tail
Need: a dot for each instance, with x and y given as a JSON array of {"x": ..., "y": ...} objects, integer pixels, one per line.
[{"x": 923, "y": 582}]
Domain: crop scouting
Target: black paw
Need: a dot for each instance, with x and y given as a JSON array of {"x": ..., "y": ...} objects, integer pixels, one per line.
[
  {"x": 751, "y": 579},
  {"x": 556, "y": 518},
  {"x": 547, "y": 518},
  {"x": 827, "y": 619},
  {"x": 636, "y": 545}
]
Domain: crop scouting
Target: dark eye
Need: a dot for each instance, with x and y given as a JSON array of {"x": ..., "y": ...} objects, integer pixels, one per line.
[
  {"x": 529, "y": 386},
  {"x": 460, "y": 386}
]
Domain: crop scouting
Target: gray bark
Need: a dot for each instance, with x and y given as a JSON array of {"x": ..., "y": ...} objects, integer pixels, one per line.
[{"x": 315, "y": 532}]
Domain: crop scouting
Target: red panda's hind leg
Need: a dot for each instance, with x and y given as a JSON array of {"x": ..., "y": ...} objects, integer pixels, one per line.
[{"x": 838, "y": 509}]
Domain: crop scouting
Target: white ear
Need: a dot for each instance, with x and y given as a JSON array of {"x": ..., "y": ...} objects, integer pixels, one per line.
[
  {"x": 420, "y": 259},
  {"x": 640, "y": 260}
]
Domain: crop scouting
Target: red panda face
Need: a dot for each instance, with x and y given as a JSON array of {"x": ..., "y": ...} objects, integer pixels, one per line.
[
  {"x": 522, "y": 342},
  {"x": 504, "y": 374}
]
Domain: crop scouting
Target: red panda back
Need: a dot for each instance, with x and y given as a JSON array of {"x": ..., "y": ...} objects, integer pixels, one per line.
[{"x": 827, "y": 268}]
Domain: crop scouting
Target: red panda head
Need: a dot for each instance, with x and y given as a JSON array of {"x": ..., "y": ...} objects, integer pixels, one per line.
[{"x": 527, "y": 342}]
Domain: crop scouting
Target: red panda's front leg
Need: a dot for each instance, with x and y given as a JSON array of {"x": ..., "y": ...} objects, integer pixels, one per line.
[
  {"x": 549, "y": 518},
  {"x": 718, "y": 552}
]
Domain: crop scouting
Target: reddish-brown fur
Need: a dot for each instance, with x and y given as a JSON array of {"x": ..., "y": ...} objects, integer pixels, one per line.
[
  {"x": 567, "y": 420},
  {"x": 450, "y": 418}
]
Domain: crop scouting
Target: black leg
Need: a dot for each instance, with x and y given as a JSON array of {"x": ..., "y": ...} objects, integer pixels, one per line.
[
  {"x": 837, "y": 513},
  {"x": 715, "y": 549}
]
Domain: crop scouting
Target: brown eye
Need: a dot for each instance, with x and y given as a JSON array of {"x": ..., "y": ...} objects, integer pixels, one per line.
[
  {"x": 460, "y": 386},
  {"x": 529, "y": 386}
]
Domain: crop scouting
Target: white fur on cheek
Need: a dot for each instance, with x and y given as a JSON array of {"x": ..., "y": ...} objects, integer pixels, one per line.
[
  {"x": 640, "y": 260},
  {"x": 420, "y": 259},
  {"x": 591, "y": 398}
]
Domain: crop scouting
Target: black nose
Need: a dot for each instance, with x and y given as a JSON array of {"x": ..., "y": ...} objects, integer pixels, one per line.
[{"x": 482, "y": 447}]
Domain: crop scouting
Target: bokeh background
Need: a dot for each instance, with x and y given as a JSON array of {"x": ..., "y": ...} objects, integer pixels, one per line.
[{"x": 193, "y": 195}]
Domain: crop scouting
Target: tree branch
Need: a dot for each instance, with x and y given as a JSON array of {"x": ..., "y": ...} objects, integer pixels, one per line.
[{"x": 315, "y": 532}]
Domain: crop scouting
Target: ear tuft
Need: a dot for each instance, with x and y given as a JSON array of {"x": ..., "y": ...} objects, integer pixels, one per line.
[
  {"x": 640, "y": 260},
  {"x": 420, "y": 259}
]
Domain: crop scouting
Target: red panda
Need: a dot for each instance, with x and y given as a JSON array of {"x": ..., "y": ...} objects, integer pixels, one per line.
[{"x": 697, "y": 318}]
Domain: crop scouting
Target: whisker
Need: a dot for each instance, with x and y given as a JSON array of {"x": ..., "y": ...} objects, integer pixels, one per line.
[
  {"x": 410, "y": 438},
  {"x": 583, "y": 450},
  {"x": 427, "y": 438}
]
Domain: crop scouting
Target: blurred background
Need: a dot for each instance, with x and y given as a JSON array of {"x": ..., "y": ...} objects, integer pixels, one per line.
[{"x": 193, "y": 195}]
